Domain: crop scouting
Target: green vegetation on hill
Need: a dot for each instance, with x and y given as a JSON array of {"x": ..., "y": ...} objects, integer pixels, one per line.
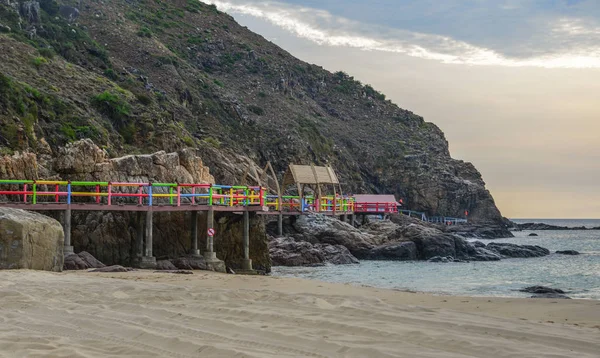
[{"x": 145, "y": 75}]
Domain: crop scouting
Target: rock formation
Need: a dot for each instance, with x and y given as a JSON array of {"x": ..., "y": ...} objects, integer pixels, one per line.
[{"x": 30, "y": 241}]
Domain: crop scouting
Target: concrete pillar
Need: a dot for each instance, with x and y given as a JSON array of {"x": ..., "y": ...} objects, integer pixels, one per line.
[
  {"x": 139, "y": 239},
  {"x": 68, "y": 248},
  {"x": 343, "y": 218},
  {"x": 210, "y": 223},
  {"x": 246, "y": 263},
  {"x": 280, "y": 224},
  {"x": 352, "y": 219},
  {"x": 148, "y": 260},
  {"x": 194, "y": 230}
]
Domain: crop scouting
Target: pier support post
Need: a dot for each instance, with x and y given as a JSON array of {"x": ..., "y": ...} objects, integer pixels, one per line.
[
  {"x": 148, "y": 260},
  {"x": 139, "y": 237},
  {"x": 195, "y": 251},
  {"x": 246, "y": 263},
  {"x": 280, "y": 224},
  {"x": 343, "y": 218},
  {"x": 68, "y": 248},
  {"x": 209, "y": 254}
]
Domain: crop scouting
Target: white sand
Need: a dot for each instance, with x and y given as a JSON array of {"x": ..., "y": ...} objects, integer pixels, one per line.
[{"x": 144, "y": 314}]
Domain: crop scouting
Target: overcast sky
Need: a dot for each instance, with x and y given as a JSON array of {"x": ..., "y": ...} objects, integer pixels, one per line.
[{"x": 514, "y": 84}]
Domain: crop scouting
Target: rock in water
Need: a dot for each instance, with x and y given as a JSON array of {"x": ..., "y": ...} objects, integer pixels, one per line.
[
  {"x": 545, "y": 292},
  {"x": 522, "y": 251},
  {"x": 533, "y": 234},
  {"x": 568, "y": 252},
  {"x": 30, "y": 240}
]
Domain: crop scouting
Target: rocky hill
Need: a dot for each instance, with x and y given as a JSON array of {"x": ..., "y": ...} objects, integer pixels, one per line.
[{"x": 138, "y": 76}]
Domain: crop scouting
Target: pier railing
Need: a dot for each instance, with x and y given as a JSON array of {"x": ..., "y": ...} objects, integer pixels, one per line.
[
  {"x": 124, "y": 193},
  {"x": 325, "y": 204}
]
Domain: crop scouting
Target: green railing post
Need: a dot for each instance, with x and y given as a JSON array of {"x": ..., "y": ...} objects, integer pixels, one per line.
[
  {"x": 171, "y": 193},
  {"x": 210, "y": 195},
  {"x": 34, "y": 193}
]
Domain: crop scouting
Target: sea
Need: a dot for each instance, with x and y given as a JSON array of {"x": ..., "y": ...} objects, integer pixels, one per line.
[{"x": 578, "y": 275}]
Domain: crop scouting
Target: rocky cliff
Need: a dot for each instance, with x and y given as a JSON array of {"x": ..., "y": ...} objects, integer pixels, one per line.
[{"x": 141, "y": 76}]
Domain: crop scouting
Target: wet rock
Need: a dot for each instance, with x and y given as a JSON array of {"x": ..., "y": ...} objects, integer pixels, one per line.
[
  {"x": 441, "y": 259},
  {"x": 113, "y": 268},
  {"x": 568, "y": 252},
  {"x": 477, "y": 243},
  {"x": 533, "y": 234},
  {"x": 545, "y": 292},
  {"x": 402, "y": 251},
  {"x": 517, "y": 251}
]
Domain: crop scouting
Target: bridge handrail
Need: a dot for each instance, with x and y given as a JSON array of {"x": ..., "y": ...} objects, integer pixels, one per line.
[{"x": 215, "y": 194}]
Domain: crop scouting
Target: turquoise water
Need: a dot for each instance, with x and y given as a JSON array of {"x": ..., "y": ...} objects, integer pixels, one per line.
[{"x": 580, "y": 275}]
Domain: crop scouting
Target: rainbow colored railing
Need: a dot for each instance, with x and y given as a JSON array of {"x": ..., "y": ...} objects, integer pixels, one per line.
[
  {"x": 328, "y": 204},
  {"x": 119, "y": 193}
]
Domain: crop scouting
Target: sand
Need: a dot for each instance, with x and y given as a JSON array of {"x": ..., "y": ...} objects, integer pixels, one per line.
[{"x": 145, "y": 314}]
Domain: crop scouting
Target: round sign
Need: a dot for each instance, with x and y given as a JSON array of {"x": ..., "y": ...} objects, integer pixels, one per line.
[{"x": 211, "y": 232}]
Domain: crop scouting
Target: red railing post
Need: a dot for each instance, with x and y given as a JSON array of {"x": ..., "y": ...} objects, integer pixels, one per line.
[
  {"x": 178, "y": 195},
  {"x": 24, "y": 193},
  {"x": 56, "y": 191},
  {"x": 262, "y": 196},
  {"x": 193, "y": 195},
  {"x": 97, "y": 192},
  {"x": 109, "y": 193},
  {"x": 141, "y": 194}
]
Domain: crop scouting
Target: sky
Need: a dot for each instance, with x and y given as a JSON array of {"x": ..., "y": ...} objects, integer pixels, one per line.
[{"x": 514, "y": 84}]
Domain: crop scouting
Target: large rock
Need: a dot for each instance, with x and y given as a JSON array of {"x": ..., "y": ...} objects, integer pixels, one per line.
[
  {"x": 568, "y": 252},
  {"x": 517, "y": 251},
  {"x": 81, "y": 261},
  {"x": 545, "y": 292},
  {"x": 401, "y": 251},
  {"x": 286, "y": 251},
  {"x": 30, "y": 240}
]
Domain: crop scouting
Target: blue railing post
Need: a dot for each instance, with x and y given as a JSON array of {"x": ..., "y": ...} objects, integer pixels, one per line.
[
  {"x": 69, "y": 192},
  {"x": 150, "y": 194}
]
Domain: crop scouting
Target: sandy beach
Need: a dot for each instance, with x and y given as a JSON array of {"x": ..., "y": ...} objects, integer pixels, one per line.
[{"x": 145, "y": 314}]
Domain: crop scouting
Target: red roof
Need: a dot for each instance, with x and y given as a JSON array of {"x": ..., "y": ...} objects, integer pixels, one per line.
[{"x": 373, "y": 198}]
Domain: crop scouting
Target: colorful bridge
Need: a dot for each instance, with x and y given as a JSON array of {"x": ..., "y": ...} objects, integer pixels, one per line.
[{"x": 48, "y": 195}]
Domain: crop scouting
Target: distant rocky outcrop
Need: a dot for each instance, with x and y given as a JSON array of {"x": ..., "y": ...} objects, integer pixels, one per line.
[
  {"x": 30, "y": 241},
  {"x": 542, "y": 226}
]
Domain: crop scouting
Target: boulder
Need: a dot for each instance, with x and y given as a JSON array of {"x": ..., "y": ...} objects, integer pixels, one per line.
[
  {"x": 188, "y": 263},
  {"x": 441, "y": 259},
  {"x": 520, "y": 251},
  {"x": 533, "y": 234},
  {"x": 81, "y": 261},
  {"x": 165, "y": 265},
  {"x": 401, "y": 251},
  {"x": 30, "y": 240},
  {"x": 568, "y": 252},
  {"x": 286, "y": 251}
]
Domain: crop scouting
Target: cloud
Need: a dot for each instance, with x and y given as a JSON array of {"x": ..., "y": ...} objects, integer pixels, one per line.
[{"x": 579, "y": 47}]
